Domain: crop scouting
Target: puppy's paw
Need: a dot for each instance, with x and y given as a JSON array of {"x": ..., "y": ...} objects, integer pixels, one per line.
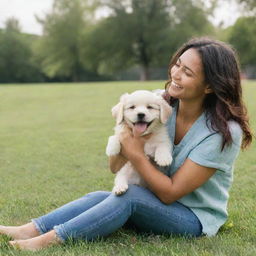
[
  {"x": 120, "y": 189},
  {"x": 164, "y": 161},
  {"x": 163, "y": 157},
  {"x": 113, "y": 147}
]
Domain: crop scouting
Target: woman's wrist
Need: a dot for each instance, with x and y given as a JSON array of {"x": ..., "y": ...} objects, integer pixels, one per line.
[{"x": 137, "y": 158}]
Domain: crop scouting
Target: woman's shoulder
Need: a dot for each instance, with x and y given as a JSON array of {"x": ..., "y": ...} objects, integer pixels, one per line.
[
  {"x": 205, "y": 132},
  {"x": 209, "y": 150},
  {"x": 236, "y": 132},
  {"x": 235, "y": 128}
]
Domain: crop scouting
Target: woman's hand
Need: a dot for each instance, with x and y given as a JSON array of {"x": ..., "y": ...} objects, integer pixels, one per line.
[
  {"x": 132, "y": 143},
  {"x": 132, "y": 147},
  {"x": 117, "y": 162}
]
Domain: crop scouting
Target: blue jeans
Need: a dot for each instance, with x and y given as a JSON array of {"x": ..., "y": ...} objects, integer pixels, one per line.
[{"x": 99, "y": 214}]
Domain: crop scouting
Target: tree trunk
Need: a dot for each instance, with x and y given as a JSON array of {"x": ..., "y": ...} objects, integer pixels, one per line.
[{"x": 144, "y": 73}]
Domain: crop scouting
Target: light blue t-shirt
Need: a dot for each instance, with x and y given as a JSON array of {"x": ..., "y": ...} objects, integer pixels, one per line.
[{"x": 203, "y": 146}]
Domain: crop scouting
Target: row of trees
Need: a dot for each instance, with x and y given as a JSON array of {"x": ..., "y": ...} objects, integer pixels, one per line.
[
  {"x": 77, "y": 46},
  {"x": 16, "y": 64}
]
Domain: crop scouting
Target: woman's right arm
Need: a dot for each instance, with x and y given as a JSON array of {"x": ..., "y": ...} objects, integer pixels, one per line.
[{"x": 117, "y": 162}]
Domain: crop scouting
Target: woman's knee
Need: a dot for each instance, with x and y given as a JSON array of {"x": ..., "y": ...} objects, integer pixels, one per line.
[
  {"x": 137, "y": 192},
  {"x": 98, "y": 194}
]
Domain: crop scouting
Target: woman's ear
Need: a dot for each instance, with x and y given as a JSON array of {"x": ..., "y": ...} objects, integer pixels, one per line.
[{"x": 208, "y": 89}]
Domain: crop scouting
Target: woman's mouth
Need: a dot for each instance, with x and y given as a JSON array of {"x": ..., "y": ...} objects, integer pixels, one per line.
[{"x": 176, "y": 86}]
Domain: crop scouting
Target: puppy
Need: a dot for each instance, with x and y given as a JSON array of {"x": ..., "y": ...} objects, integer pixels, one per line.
[{"x": 147, "y": 112}]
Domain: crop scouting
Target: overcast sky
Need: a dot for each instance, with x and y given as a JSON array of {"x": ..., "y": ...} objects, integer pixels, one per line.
[{"x": 25, "y": 10}]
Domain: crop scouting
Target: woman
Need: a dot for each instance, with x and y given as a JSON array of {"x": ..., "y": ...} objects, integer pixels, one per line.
[{"x": 208, "y": 126}]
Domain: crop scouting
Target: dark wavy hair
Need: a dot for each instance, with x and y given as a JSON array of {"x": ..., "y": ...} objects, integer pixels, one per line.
[{"x": 222, "y": 75}]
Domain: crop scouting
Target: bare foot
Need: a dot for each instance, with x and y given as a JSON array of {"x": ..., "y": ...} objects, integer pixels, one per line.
[
  {"x": 37, "y": 243},
  {"x": 20, "y": 232}
]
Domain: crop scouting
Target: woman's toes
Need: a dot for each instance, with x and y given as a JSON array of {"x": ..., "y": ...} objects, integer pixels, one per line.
[{"x": 15, "y": 244}]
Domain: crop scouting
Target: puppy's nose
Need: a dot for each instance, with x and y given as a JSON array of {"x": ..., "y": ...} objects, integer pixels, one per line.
[{"x": 140, "y": 116}]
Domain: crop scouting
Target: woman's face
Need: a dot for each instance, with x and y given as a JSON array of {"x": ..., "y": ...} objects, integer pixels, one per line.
[{"x": 188, "y": 77}]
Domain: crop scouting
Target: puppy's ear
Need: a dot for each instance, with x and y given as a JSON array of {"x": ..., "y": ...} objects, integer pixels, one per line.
[
  {"x": 118, "y": 110},
  {"x": 165, "y": 110}
]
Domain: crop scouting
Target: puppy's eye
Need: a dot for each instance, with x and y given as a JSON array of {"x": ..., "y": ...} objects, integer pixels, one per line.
[
  {"x": 149, "y": 107},
  {"x": 132, "y": 107}
]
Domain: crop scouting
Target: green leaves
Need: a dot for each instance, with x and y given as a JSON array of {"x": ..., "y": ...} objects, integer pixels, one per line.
[
  {"x": 142, "y": 33},
  {"x": 243, "y": 37},
  {"x": 59, "y": 49},
  {"x": 16, "y": 55}
]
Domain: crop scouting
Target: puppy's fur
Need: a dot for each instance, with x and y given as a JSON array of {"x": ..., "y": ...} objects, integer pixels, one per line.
[{"x": 147, "y": 112}]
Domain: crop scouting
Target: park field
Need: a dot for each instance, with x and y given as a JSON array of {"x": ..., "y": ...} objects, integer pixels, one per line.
[{"x": 52, "y": 151}]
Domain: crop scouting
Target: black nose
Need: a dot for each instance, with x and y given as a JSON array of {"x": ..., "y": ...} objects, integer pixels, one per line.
[{"x": 140, "y": 116}]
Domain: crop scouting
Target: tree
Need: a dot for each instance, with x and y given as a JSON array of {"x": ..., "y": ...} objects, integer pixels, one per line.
[
  {"x": 191, "y": 20},
  {"x": 248, "y": 5},
  {"x": 59, "y": 50},
  {"x": 15, "y": 55},
  {"x": 243, "y": 38},
  {"x": 143, "y": 33}
]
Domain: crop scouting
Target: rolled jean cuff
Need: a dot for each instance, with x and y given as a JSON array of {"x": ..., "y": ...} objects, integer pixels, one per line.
[
  {"x": 60, "y": 232},
  {"x": 38, "y": 226}
]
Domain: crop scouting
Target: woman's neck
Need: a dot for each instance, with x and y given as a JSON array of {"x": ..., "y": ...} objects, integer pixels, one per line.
[{"x": 189, "y": 111}]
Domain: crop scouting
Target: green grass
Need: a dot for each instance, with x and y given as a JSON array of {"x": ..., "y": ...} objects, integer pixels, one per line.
[{"x": 52, "y": 151}]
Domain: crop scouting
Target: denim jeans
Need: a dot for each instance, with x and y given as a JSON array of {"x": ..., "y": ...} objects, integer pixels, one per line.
[{"x": 99, "y": 214}]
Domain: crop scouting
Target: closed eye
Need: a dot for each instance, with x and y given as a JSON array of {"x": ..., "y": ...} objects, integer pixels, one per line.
[
  {"x": 188, "y": 73},
  {"x": 153, "y": 107}
]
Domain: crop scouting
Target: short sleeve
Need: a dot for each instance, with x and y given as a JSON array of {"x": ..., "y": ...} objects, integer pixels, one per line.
[{"x": 208, "y": 152}]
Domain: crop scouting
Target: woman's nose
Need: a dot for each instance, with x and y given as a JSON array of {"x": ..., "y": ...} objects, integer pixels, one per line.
[{"x": 175, "y": 73}]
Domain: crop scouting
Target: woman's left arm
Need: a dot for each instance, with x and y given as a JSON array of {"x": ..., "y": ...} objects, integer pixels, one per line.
[{"x": 189, "y": 176}]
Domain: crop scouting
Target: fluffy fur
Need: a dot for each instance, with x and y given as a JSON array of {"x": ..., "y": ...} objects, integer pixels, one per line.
[{"x": 147, "y": 112}]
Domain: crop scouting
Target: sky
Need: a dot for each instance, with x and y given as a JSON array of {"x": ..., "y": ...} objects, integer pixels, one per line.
[{"x": 25, "y": 11}]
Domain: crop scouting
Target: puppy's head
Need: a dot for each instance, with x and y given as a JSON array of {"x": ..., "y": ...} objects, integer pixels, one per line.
[{"x": 142, "y": 110}]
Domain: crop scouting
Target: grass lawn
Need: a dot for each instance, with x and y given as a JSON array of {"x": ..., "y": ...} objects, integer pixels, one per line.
[{"x": 52, "y": 151}]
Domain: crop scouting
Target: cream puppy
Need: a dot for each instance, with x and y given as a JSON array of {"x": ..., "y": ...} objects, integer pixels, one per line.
[{"x": 147, "y": 112}]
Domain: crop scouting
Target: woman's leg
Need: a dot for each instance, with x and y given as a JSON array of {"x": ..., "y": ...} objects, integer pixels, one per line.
[
  {"x": 139, "y": 205},
  {"x": 159, "y": 218},
  {"x": 47, "y": 222},
  {"x": 69, "y": 211},
  {"x": 38, "y": 242},
  {"x": 20, "y": 232}
]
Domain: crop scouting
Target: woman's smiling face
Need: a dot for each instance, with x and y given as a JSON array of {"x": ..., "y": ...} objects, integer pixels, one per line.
[{"x": 188, "y": 77}]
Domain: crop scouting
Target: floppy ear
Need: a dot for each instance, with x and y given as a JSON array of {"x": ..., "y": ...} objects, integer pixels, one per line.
[
  {"x": 118, "y": 110},
  {"x": 165, "y": 111},
  {"x": 159, "y": 92}
]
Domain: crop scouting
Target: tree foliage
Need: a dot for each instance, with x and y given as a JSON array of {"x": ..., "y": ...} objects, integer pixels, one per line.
[
  {"x": 143, "y": 33},
  {"x": 76, "y": 46},
  {"x": 243, "y": 38},
  {"x": 139, "y": 34},
  {"x": 59, "y": 50},
  {"x": 248, "y": 5},
  {"x": 15, "y": 56}
]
